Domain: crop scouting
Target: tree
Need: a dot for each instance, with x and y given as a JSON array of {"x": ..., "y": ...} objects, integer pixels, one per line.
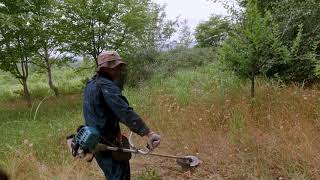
[
  {"x": 49, "y": 39},
  {"x": 95, "y": 25},
  {"x": 297, "y": 22},
  {"x": 253, "y": 47},
  {"x": 213, "y": 32},
  {"x": 185, "y": 38},
  {"x": 18, "y": 40},
  {"x": 300, "y": 31},
  {"x": 148, "y": 45}
]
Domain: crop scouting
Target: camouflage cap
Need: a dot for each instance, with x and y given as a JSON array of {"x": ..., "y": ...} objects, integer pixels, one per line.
[{"x": 109, "y": 59}]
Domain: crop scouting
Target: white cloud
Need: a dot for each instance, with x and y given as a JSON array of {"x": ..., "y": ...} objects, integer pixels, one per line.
[{"x": 194, "y": 11}]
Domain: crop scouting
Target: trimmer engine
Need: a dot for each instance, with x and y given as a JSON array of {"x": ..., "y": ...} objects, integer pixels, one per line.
[{"x": 85, "y": 140}]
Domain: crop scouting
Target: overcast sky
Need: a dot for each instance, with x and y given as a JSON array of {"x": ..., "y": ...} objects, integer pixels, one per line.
[{"x": 194, "y": 11}]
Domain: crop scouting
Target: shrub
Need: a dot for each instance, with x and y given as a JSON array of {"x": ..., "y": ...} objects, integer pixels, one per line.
[
  {"x": 184, "y": 58},
  {"x": 145, "y": 64}
]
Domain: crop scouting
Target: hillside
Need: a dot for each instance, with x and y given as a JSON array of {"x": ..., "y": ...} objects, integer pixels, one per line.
[{"x": 204, "y": 112}]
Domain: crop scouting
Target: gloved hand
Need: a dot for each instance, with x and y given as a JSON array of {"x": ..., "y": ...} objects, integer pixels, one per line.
[{"x": 153, "y": 140}]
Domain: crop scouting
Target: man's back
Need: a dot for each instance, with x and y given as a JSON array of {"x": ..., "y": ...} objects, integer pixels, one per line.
[{"x": 97, "y": 113}]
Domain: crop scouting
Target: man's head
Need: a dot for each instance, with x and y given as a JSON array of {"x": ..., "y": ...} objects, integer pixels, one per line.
[{"x": 110, "y": 63}]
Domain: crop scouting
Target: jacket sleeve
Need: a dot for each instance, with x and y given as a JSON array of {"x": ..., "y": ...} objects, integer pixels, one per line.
[{"x": 120, "y": 107}]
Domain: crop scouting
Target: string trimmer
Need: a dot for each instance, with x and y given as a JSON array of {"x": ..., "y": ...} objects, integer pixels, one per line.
[{"x": 87, "y": 140}]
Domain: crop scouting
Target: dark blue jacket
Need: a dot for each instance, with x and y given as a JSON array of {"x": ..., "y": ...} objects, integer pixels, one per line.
[{"x": 104, "y": 107}]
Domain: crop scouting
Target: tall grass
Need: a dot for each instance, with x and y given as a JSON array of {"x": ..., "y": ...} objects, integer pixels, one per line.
[
  {"x": 205, "y": 112},
  {"x": 209, "y": 112},
  {"x": 69, "y": 80}
]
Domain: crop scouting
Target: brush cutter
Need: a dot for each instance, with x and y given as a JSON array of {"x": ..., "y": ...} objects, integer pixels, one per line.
[{"x": 88, "y": 139}]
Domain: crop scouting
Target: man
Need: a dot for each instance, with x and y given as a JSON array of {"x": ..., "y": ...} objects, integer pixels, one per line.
[{"x": 105, "y": 106}]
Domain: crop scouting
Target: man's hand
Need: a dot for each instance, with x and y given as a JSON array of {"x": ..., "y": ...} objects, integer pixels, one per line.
[{"x": 153, "y": 140}]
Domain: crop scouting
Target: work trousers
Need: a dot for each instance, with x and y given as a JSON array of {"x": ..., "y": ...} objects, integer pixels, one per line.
[{"x": 112, "y": 169}]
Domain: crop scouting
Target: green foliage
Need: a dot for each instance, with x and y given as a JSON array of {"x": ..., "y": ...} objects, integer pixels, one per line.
[
  {"x": 18, "y": 39},
  {"x": 186, "y": 85},
  {"x": 49, "y": 40},
  {"x": 237, "y": 123},
  {"x": 141, "y": 61},
  {"x": 158, "y": 31},
  {"x": 184, "y": 58},
  {"x": 68, "y": 80},
  {"x": 27, "y": 34},
  {"x": 148, "y": 174},
  {"x": 301, "y": 34},
  {"x": 294, "y": 24},
  {"x": 42, "y": 32},
  {"x": 104, "y": 25},
  {"x": 253, "y": 46},
  {"x": 213, "y": 32},
  {"x": 140, "y": 66},
  {"x": 144, "y": 64}
]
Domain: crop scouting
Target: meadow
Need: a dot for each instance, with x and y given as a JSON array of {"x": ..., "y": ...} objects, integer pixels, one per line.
[{"x": 204, "y": 111}]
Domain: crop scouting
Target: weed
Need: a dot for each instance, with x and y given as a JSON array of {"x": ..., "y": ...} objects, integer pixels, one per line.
[{"x": 148, "y": 174}]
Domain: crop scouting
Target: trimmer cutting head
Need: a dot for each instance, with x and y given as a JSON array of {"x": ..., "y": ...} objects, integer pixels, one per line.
[{"x": 188, "y": 162}]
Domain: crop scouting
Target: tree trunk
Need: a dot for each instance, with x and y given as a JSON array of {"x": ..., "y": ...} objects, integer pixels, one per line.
[
  {"x": 252, "y": 85},
  {"x": 52, "y": 86},
  {"x": 48, "y": 67},
  {"x": 23, "y": 73},
  {"x": 96, "y": 60},
  {"x": 26, "y": 92}
]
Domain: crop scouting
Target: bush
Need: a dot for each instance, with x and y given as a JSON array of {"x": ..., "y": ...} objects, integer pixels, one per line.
[
  {"x": 145, "y": 64},
  {"x": 140, "y": 67},
  {"x": 183, "y": 58}
]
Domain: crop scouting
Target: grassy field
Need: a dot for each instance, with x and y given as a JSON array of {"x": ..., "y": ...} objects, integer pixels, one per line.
[
  {"x": 204, "y": 112},
  {"x": 69, "y": 80}
]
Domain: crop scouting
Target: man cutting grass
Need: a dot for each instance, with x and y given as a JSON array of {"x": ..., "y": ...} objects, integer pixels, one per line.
[{"x": 105, "y": 106}]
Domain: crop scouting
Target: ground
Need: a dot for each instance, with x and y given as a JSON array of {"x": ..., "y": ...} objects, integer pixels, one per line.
[{"x": 274, "y": 136}]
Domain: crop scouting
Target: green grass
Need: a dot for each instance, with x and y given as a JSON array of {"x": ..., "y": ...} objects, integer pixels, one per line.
[
  {"x": 69, "y": 80},
  {"x": 205, "y": 112},
  {"x": 148, "y": 174},
  {"x": 54, "y": 119},
  {"x": 58, "y": 116},
  {"x": 186, "y": 85}
]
